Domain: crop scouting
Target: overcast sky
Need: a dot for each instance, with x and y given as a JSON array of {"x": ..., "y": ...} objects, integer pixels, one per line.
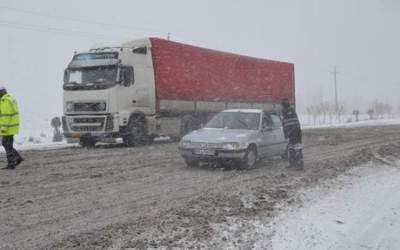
[{"x": 360, "y": 37}]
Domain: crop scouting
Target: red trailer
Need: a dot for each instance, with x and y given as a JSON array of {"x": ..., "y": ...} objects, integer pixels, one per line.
[{"x": 189, "y": 73}]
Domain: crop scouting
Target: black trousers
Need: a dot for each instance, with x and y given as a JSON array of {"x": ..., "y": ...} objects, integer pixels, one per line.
[
  {"x": 295, "y": 148},
  {"x": 295, "y": 136},
  {"x": 8, "y": 144}
]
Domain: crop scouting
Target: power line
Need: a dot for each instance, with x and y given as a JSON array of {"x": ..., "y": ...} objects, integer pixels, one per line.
[
  {"x": 47, "y": 29},
  {"x": 79, "y": 20},
  {"x": 357, "y": 77}
]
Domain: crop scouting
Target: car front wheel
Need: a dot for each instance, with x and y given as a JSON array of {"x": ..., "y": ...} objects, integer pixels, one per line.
[{"x": 250, "y": 158}]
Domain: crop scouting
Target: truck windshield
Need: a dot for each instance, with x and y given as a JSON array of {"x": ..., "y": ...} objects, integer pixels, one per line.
[
  {"x": 235, "y": 120},
  {"x": 93, "y": 77}
]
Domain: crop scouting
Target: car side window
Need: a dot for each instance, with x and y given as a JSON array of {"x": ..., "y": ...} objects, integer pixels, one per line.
[
  {"x": 267, "y": 121},
  {"x": 277, "y": 121}
]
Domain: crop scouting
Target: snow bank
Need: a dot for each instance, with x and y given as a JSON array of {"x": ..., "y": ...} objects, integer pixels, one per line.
[
  {"x": 363, "y": 123},
  {"x": 34, "y": 130},
  {"x": 361, "y": 214},
  {"x": 36, "y": 133}
]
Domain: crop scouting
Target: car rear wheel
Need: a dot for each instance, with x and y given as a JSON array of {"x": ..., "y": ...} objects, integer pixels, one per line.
[{"x": 250, "y": 158}]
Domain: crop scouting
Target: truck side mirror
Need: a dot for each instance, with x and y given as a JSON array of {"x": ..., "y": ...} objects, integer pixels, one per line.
[{"x": 65, "y": 76}]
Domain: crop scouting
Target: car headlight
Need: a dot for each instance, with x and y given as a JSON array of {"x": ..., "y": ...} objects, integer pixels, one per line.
[
  {"x": 70, "y": 106},
  {"x": 185, "y": 144},
  {"x": 232, "y": 145}
]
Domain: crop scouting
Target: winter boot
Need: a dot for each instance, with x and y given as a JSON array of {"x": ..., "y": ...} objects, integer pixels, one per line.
[
  {"x": 19, "y": 160},
  {"x": 299, "y": 160},
  {"x": 10, "y": 165},
  {"x": 292, "y": 157}
]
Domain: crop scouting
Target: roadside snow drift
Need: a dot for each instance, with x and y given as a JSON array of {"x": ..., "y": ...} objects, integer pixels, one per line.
[{"x": 364, "y": 214}]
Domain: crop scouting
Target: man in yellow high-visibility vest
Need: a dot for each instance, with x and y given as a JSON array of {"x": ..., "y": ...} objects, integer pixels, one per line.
[{"x": 9, "y": 126}]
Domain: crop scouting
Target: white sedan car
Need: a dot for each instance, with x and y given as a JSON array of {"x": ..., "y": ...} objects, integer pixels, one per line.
[{"x": 235, "y": 135}]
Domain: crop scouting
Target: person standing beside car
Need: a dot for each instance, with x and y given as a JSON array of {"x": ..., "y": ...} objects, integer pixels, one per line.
[
  {"x": 9, "y": 126},
  {"x": 292, "y": 131}
]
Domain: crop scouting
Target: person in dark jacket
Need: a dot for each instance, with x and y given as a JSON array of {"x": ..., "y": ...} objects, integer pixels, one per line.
[{"x": 292, "y": 131}]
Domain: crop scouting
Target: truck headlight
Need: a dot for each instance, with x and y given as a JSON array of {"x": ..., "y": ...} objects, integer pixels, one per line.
[
  {"x": 101, "y": 106},
  {"x": 232, "y": 145},
  {"x": 70, "y": 106}
]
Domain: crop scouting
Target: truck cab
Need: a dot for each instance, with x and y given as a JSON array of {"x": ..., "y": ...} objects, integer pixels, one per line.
[{"x": 107, "y": 92}]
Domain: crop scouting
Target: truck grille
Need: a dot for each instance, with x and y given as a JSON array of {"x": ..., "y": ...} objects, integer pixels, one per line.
[
  {"x": 89, "y": 106},
  {"x": 87, "y": 124},
  {"x": 88, "y": 120}
]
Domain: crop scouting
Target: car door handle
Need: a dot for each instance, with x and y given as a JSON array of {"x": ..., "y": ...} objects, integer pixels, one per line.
[{"x": 133, "y": 101}]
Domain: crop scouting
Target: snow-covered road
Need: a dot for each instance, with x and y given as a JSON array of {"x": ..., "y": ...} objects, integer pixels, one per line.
[{"x": 364, "y": 213}]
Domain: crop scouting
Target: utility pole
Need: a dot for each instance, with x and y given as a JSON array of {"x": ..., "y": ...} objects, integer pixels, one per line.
[
  {"x": 168, "y": 36},
  {"x": 335, "y": 72}
]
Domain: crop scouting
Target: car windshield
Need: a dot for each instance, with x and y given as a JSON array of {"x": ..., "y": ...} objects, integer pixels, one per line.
[
  {"x": 95, "y": 75},
  {"x": 235, "y": 120}
]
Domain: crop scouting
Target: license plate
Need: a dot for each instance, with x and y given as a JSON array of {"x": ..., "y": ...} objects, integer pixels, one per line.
[
  {"x": 75, "y": 135},
  {"x": 204, "y": 151}
]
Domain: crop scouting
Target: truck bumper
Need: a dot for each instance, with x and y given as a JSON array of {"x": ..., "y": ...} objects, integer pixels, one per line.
[
  {"x": 94, "y": 126},
  {"x": 98, "y": 136}
]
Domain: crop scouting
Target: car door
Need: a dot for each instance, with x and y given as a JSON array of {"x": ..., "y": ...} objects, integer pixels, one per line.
[
  {"x": 281, "y": 142},
  {"x": 267, "y": 147}
]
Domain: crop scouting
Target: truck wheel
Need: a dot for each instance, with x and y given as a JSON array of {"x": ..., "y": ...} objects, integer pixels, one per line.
[
  {"x": 250, "y": 158},
  {"x": 87, "y": 142},
  {"x": 188, "y": 124},
  {"x": 192, "y": 163},
  {"x": 136, "y": 133}
]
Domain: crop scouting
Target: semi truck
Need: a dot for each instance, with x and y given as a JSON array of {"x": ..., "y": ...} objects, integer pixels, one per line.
[{"x": 154, "y": 87}]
